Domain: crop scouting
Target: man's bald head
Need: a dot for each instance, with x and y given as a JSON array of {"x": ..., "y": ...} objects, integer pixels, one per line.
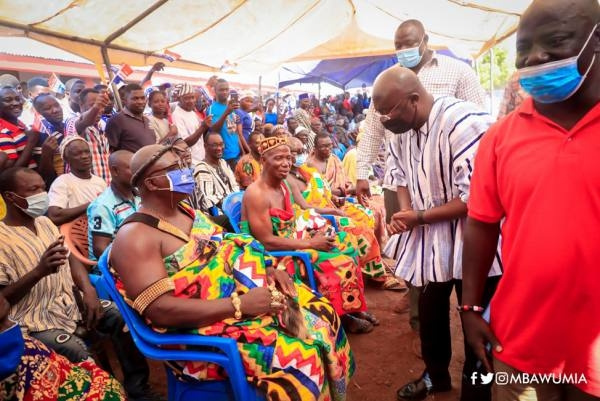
[
  {"x": 119, "y": 165},
  {"x": 401, "y": 99},
  {"x": 394, "y": 83}
]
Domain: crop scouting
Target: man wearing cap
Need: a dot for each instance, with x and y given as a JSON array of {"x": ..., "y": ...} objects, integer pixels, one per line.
[
  {"x": 71, "y": 193},
  {"x": 246, "y": 107},
  {"x": 303, "y": 118},
  {"x": 189, "y": 126}
]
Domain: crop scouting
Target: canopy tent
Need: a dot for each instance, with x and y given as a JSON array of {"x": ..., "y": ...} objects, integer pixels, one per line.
[
  {"x": 253, "y": 36},
  {"x": 347, "y": 72}
]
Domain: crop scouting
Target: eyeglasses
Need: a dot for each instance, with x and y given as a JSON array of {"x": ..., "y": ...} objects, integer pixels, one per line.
[
  {"x": 215, "y": 145},
  {"x": 386, "y": 117}
]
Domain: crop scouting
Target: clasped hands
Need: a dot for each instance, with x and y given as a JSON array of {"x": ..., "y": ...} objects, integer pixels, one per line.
[{"x": 402, "y": 221}]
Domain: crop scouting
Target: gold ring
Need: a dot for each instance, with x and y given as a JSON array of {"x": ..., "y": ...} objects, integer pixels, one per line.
[{"x": 275, "y": 304}]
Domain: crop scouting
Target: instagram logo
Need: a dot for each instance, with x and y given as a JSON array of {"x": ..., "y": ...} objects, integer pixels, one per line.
[{"x": 484, "y": 378}]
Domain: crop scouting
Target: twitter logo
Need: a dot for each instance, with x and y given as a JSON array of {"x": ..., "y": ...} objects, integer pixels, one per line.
[{"x": 485, "y": 378}]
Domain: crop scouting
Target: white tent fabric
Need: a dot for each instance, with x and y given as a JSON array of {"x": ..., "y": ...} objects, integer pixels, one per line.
[{"x": 253, "y": 36}]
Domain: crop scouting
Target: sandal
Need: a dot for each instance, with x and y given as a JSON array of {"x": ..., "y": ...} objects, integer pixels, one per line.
[
  {"x": 355, "y": 325},
  {"x": 369, "y": 317},
  {"x": 391, "y": 283}
]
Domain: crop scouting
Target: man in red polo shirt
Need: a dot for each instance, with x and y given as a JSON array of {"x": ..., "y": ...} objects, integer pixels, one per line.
[{"x": 539, "y": 170}]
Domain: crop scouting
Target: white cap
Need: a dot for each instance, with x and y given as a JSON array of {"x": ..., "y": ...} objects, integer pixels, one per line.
[{"x": 247, "y": 93}]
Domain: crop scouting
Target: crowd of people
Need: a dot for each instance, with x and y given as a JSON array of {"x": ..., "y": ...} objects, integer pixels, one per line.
[{"x": 416, "y": 171}]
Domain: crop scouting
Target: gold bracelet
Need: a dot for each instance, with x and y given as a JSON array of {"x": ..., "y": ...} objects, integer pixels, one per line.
[
  {"x": 237, "y": 305},
  {"x": 151, "y": 294}
]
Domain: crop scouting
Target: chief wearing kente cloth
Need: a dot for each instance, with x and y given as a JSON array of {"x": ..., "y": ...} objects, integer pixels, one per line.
[
  {"x": 268, "y": 214},
  {"x": 352, "y": 218},
  {"x": 181, "y": 273}
]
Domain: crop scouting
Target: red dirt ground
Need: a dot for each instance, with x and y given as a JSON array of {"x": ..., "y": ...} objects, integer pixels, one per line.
[{"x": 384, "y": 358}]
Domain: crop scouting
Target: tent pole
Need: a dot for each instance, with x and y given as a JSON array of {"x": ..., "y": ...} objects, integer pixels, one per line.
[
  {"x": 260, "y": 86},
  {"x": 111, "y": 76},
  {"x": 491, "y": 80},
  {"x": 319, "y": 94}
]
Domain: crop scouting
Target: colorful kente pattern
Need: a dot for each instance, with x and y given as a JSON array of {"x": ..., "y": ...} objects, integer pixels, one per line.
[
  {"x": 283, "y": 367},
  {"x": 360, "y": 221},
  {"x": 337, "y": 272},
  {"x": 44, "y": 375}
]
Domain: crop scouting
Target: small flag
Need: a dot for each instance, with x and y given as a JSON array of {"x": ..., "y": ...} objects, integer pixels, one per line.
[
  {"x": 169, "y": 55},
  {"x": 56, "y": 84},
  {"x": 148, "y": 88},
  {"x": 122, "y": 73}
]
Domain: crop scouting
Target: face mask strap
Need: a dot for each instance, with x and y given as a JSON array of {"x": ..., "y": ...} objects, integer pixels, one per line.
[{"x": 587, "y": 41}]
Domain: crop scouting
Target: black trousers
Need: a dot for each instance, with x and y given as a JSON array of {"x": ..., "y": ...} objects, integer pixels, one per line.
[{"x": 436, "y": 346}]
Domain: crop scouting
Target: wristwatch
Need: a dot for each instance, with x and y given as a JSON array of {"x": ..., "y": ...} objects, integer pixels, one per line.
[{"x": 420, "y": 218}]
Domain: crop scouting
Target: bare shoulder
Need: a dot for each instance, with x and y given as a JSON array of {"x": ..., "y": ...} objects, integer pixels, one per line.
[{"x": 134, "y": 241}]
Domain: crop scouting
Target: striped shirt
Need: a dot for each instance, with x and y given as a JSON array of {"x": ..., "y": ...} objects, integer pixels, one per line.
[
  {"x": 13, "y": 140},
  {"x": 441, "y": 76},
  {"x": 436, "y": 164},
  {"x": 213, "y": 184},
  {"x": 99, "y": 147},
  {"x": 50, "y": 304}
]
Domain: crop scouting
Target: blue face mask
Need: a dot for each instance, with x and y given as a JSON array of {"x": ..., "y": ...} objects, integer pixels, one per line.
[
  {"x": 411, "y": 57},
  {"x": 11, "y": 350},
  {"x": 300, "y": 159},
  {"x": 555, "y": 81},
  {"x": 181, "y": 181}
]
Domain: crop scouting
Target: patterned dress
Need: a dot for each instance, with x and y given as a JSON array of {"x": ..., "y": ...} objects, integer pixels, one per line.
[
  {"x": 280, "y": 365},
  {"x": 360, "y": 222},
  {"x": 44, "y": 375},
  {"x": 337, "y": 271}
]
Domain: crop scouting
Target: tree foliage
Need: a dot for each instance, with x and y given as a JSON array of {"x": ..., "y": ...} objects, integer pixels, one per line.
[{"x": 503, "y": 69}]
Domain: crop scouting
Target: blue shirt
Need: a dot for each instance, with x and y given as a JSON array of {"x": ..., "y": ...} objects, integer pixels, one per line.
[
  {"x": 247, "y": 122},
  {"x": 228, "y": 131},
  {"x": 106, "y": 214}
]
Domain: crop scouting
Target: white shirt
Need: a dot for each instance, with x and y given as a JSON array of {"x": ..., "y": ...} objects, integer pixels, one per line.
[
  {"x": 436, "y": 164},
  {"x": 187, "y": 123},
  {"x": 69, "y": 191},
  {"x": 441, "y": 76}
]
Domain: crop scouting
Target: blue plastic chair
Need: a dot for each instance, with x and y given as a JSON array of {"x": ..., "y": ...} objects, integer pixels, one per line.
[
  {"x": 232, "y": 207},
  {"x": 98, "y": 284},
  {"x": 218, "y": 350}
]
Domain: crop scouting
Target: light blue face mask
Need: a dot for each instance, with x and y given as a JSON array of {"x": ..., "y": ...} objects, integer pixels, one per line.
[
  {"x": 555, "y": 81},
  {"x": 181, "y": 181},
  {"x": 11, "y": 350},
  {"x": 411, "y": 57},
  {"x": 300, "y": 159}
]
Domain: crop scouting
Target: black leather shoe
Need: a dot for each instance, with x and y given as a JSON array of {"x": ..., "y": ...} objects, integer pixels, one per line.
[{"x": 419, "y": 390}]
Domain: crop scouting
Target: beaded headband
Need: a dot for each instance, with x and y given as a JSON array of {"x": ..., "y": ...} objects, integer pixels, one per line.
[{"x": 272, "y": 143}]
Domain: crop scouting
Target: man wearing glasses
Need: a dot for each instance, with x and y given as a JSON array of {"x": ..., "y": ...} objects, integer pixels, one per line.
[{"x": 433, "y": 150}]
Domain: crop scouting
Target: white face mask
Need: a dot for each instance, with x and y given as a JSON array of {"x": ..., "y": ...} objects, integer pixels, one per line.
[{"x": 37, "y": 205}]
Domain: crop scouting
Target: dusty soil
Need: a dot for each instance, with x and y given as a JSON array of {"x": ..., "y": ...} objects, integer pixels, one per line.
[{"x": 385, "y": 358}]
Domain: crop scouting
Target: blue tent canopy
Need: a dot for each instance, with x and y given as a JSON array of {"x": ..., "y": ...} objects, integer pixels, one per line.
[{"x": 349, "y": 72}]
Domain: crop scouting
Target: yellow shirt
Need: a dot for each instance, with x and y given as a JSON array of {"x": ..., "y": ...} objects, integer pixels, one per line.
[
  {"x": 349, "y": 164},
  {"x": 50, "y": 304}
]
